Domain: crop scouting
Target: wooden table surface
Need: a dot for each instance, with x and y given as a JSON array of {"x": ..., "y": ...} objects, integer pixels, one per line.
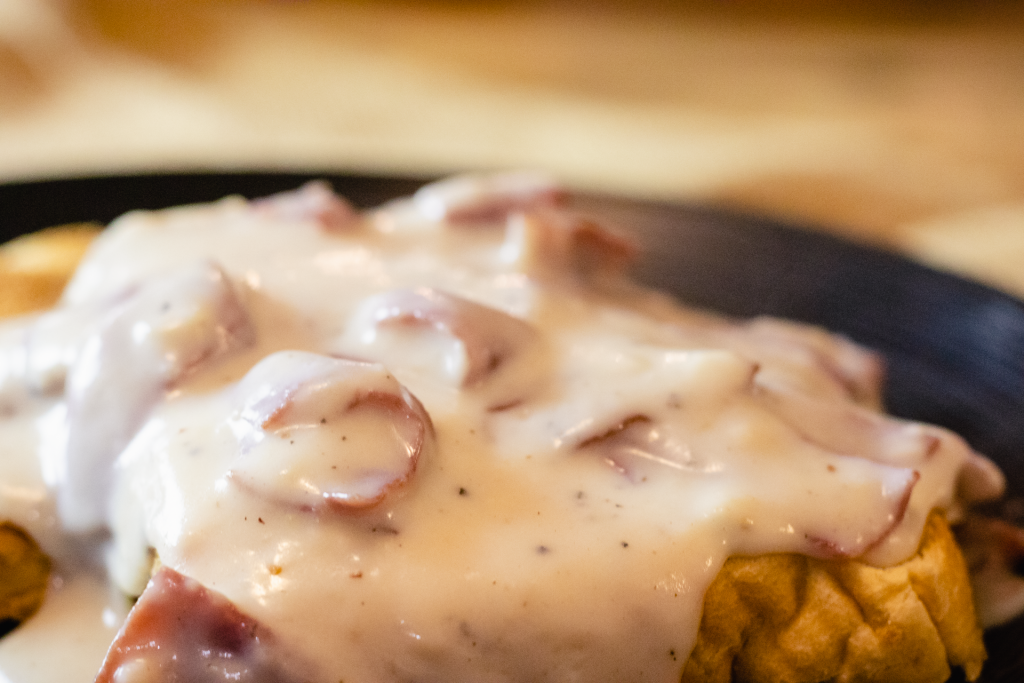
[{"x": 900, "y": 124}]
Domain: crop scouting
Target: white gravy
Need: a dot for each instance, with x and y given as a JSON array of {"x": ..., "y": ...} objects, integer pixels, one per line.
[{"x": 550, "y": 468}]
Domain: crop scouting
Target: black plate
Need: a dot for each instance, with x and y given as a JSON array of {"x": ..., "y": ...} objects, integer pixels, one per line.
[{"x": 954, "y": 348}]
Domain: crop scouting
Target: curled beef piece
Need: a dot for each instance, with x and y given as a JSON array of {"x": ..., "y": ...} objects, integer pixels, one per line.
[
  {"x": 485, "y": 198},
  {"x": 181, "y": 632},
  {"x": 324, "y": 434},
  {"x": 980, "y": 480},
  {"x": 854, "y": 370},
  {"x": 850, "y": 429},
  {"x": 145, "y": 345},
  {"x": 316, "y": 202},
  {"x": 994, "y": 551},
  {"x": 703, "y": 415},
  {"x": 637, "y": 446},
  {"x": 485, "y": 338},
  {"x": 556, "y": 242},
  {"x": 644, "y": 450}
]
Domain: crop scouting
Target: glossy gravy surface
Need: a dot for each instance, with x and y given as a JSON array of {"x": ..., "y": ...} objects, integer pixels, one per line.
[{"x": 442, "y": 441}]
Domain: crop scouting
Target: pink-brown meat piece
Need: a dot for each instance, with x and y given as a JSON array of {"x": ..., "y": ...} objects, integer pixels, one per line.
[{"x": 182, "y": 631}]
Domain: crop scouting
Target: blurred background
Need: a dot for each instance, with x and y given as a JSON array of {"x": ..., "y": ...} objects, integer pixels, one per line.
[{"x": 900, "y": 124}]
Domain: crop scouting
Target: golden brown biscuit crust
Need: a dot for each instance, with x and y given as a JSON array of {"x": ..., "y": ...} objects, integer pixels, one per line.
[
  {"x": 24, "y": 571},
  {"x": 792, "y": 618},
  {"x": 34, "y": 268}
]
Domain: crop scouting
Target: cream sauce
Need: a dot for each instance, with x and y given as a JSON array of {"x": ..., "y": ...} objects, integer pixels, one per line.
[
  {"x": 552, "y": 468},
  {"x": 68, "y": 638}
]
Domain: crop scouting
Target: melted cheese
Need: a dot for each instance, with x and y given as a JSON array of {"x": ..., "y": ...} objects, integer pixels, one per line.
[{"x": 552, "y": 467}]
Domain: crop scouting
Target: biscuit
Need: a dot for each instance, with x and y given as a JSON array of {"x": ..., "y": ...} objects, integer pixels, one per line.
[
  {"x": 34, "y": 268},
  {"x": 24, "y": 571},
  {"x": 787, "y": 617}
]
